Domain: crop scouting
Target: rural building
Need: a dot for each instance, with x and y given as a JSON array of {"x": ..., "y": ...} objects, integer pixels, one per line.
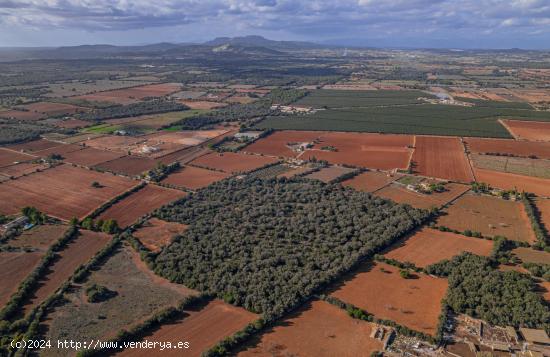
[
  {"x": 18, "y": 222},
  {"x": 248, "y": 135}
]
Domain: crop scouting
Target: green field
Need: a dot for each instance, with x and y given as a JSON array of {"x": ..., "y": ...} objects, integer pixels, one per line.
[
  {"x": 428, "y": 119},
  {"x": 368, "y": 98}
]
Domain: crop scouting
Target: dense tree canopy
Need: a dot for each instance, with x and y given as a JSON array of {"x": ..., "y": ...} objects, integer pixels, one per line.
[
  {"x": 269, "y": 244},
  {"x": 500, "y": 298}
]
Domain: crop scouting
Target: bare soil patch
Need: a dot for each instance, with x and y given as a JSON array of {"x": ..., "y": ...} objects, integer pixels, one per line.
[
  {"x": 441, "y": 157},
  {"x": 370, "y": 181},
  {"x": 489, "y": 215},
  {"x": 10, "y": 157},
  {"x": 528, "y": 255},
  {"x": 510, "y": 181},
  {"x": 63, "y": 191},
  {"x": 129, "y": 165},
  {"x": 77, "y": 252},
  {"x": 193, "y": 178},
  {"x": 529, "y": 130},
  {"x": 505, "y": 146},
  {"x": 21, "y": 115},
  {"x": 14, "y": 268},
  {"x": 53, "y": 109},
  {"x": 139, "y": 203},
  {"x": 327, "y": 174},
  {"x": 202, "y": 329},
  {"x": 428, "y": 246},
  {"x": 34, "y": 146},
  {"x": 22, "y": 169},
  {"x": 156, "y": 233},
  {"x": 317, "y": 329},
  {"x": 379, "y": 289},
  {"x": 90, "y": 156}
]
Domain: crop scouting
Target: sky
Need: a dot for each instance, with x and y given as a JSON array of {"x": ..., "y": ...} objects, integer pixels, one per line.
[{"x": 377, "y": 23}]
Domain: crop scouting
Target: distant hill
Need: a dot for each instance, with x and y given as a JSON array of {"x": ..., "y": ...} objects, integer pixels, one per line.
[
  {"x": 234, "y": 46},
  {"x": 259, "y": 41}
]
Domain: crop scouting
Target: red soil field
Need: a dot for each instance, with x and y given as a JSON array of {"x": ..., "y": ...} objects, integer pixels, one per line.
[
  {"x": 532, "y": 256},
  {"x": 157, "y": 233},
  {"x": 202, "y": 104},
  {"x": 328, "y": 174},
  {"x": 528, "y": 130},
  {"x": 400, "y": 194},
  {"x": 375, "y": 151},
  {"x": 139, "y": 203},
  {"x": 113, "y": 142},
  {"x": 34, "y": 146},
  {"x": 429, "y": 246},
  {"x": 129, "y": 165},
  {"x": 72, "y": 123},
  {"x": 489, "y": 215},
  {"x": 9, "y": 157},
  {"x": 232, "y": 162},
  {"x": 380, "y": 290},
  {"x": 318, "y": 329},
  {"x": 14, "y": 268},
  {"x": 194, "y": 177},
  {"x": 59, "y": 150},
  {"x": 506, "y": 146},
  {"x": 442, "y": 158},
  {"x": 22, "y": 169},
  {"x": 63, "y": 191},
  {"x": 40, "y": 237},
  {"x": 543, "y": 206},
  {"x": 202, "y": 329},
  {"x": 53, "y": 109},
  {"x": 275, "y": 143},
  {"x": 77, "y": 252},
  {"x": 21, "y": 115},
  {"x": 370, "y": 181},
  {"x": 186, "y": 155},
  {"x": 90, "y": 156},
  {"x": 508, "y": 181}
]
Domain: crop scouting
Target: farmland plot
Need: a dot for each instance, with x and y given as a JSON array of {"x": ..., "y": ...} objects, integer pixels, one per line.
[
  {"x": 125, "y": 274},
  {"x": 442, "y": 158},
  {"x": 156, "y": 233},
  {"x": 77, "y": 252},
  {"x": 234, "y": 163},
  {"x": 202, "y": 329},
  {"x": 139, "y": 203},
  {"x": 380, "y": 290},
  {"x": 193, "y": 178},
  {"x": 317, "y": 329},
  {"x": 428, "y": 246},
  {"x": 489, "y": 215},
  {"x": 63, "y": 191}
]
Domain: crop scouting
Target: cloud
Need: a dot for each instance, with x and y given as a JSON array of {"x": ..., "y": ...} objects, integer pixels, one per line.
[{"x": 323, "y": 19}]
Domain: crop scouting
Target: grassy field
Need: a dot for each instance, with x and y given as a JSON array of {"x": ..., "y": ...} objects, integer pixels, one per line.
[
  {"x": 341, "y": 99},
  {"x": 426, "y": 119},
  {"x": 149, "y": 123}
]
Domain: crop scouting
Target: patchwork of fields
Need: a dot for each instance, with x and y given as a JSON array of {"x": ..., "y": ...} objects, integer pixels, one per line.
[{"x": 253, "y": 223}]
